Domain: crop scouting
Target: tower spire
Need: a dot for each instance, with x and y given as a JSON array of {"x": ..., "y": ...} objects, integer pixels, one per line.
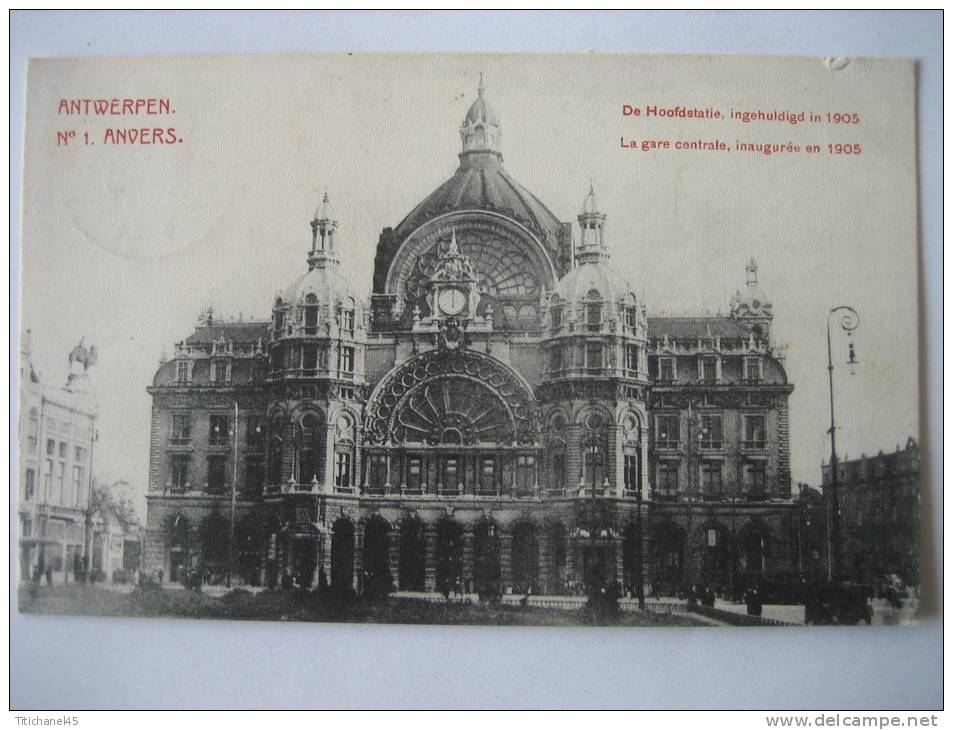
[
  {"x": 592, "y": 221},
  {"x": 480, "y": 132},
  {"x": 323, "y": 227}
]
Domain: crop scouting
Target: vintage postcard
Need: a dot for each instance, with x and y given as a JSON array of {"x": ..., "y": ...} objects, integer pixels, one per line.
[{"x": 501, "y": 339}]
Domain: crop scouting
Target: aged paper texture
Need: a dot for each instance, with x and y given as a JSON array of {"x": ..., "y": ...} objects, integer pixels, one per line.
[{"x": 297, "y": 344}]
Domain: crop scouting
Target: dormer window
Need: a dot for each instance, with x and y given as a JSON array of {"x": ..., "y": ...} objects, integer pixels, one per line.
[
  {"x": 666, "y": 369},
  {"x": 630, "y": 318},
  {"x": 311, "y": 315},
  {"x": 220, "y": 371},
  {"x": 182, "y": 372},
  {"x": 753, "y": 372},
  {"x": 632, "y": 358},
  {"x": 347, "y": 315},
  {"x": 708, "y": 369}
]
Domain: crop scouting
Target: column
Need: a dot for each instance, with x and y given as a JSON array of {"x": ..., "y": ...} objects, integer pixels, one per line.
[
  {"x": 430, "y": 537},
  {"x": 506, "y": 559},
  {"x": 468, "y": 556},
  {"x": 542, "y": 560},
  {"x": 393, "y": 556},
  {"x": 357, "y": 569}
]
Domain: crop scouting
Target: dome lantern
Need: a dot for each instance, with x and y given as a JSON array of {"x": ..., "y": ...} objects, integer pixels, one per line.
[
  {"x": 592, "y": 221},
  {"x": 323, "y": 228},
  {"x": 480, "y": 131}
]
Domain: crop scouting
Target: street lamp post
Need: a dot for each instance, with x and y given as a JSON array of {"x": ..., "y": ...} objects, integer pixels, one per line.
[{"x": 848, "y": 322}]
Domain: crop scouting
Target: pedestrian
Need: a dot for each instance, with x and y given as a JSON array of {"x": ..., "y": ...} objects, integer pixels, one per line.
[
  {"x": 161, "y": 575},
  {"x": 49, "y": 575},
  {"x": 78, "y": 567}
]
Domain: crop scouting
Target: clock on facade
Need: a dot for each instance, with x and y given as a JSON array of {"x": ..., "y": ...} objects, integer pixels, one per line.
[{"x": 452, "y": 301}]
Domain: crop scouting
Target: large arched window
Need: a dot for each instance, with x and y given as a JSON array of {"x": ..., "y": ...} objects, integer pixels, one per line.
[
  {"x": 632, "y": 453},
  {"x": 344, "y": 452},
  {"x": 308, "y": 441},
  {"x": 594, "y": 452},
  {"x": 311, "y": 315},
  {"x": 347, "y": 315},
  {"x": 593, "y": 310}
]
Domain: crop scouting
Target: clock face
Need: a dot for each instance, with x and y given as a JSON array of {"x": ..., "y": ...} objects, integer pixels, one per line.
[{"x": 452, "y": 301}]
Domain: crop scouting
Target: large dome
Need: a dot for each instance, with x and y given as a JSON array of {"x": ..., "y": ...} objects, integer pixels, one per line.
[
  {"x": 481, "y": 183},
  {"x": 577, "y": 285}
]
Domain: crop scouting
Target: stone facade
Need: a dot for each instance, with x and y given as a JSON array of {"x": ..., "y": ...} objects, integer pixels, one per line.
[
  {"x": 879, "y": 500},
  {"x": 57, "y": 435},
  {"x": 502, "y": 414}
]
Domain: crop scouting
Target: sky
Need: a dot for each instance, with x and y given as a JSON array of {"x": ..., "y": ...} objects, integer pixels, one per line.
[{"x": 127, "y": 245}]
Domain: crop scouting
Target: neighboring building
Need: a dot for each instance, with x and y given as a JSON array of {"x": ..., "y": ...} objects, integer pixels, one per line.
[
  {"x": 501, "y": 413},
  {"x": 879, "y": 500},
  {"x": 57, "y": 432}
]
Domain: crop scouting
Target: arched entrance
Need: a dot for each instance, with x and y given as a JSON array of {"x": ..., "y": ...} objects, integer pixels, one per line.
[
  {"x": 178, "y": 546},
  {"x": 668, "y": 574},
  {"x": 486, "y": 559},
  {"x": 213, "y": 541},
  {"x": 557, "y": 575},
  {"x": 752, "y": 553},
  {"x": 448, "y": 556},
  {"x": 524, "y": 558},
  {"x": 712, "y": 557},
  {"x": 342, "y": 556},
  {"x": 632, "y": 558},
  {"x": 248, "y": 537},
  {"x": 412, "y": 560},
  {"x": 377, "y": 580}
]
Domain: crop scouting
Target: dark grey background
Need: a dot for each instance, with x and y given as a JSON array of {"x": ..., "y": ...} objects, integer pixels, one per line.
[{"x": 70, "y": 662}]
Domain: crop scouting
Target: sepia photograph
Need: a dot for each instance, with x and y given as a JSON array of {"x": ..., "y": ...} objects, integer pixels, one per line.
[
  {"x": 492, "y": 413},
  {"x": 559, "y": 341}
]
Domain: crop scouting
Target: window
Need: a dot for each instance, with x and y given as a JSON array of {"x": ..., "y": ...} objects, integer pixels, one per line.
[
  {"x": 755, "y": 479},
  {"x": 220, "y": 372},
  {"x": 631, "y": 473},
  {"x": 63, "y": 450},
  {"x": 666, "y": 478},
  {"x": 488, "y": 474},
  {"x": 557, "y": 317},
  {"x": 413, "y": 472},
  {"x": 34, "y": 432},
  {"x": 347, "y": 320},
  {"x": 525, "y": 472},
  {"x": 666, "y": 369},
  {"x": 254, "y": 434},
  {"x": 557, "y": 461},
  {"x": 79, "y": 455},
  {"x": 311, "y": 315},
  {"x": 342, "y": 469},
  {"x": 48, "y": 480},
  {"x": 27, "y": 528},
  {"x": 631, "y": 358},
  {"x": 218, "y": 430},
  {"x": 450, "y": 468},
  {"x": 274, "y": 460},
  {"x": 666, "y": 431},
  {"x": 630, "y": 318},
  {"x": 182, "y": 372},
  {"x": 77, "y": 485},
  {"x": 710, "y": 436},
  {"x": 754, "y": 437},
  {"x": 712, "y": 537},
  {"x": 50, "y": 447},
  {"x": 180, "y": 473},
  {"x": 593, "y": 356},
  {"x": 555, "y": 358},
  {"x": 307, "y": 466},
  {"x": 347, "y": 394},
  {"x": 594, "y": 462},
  {"x": 61, "y": 481},
  {"x": 752, "y": 367},
  {"x": 254, "y": 475},
  {"x": 279, "y": 321},
  {"x": 708, "y": 367},
  {"x": 181, "y": 429},
  {"x": 593, "y": 316},
  {"x": 347, "y": 360},
  {"x": 378, "y": 467},
  {"x": 29, "y": 487},
  {"x": 711, "y": 480},
  {"x": 310, "y": 361},
  {"x": 216, "y": 474}
]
